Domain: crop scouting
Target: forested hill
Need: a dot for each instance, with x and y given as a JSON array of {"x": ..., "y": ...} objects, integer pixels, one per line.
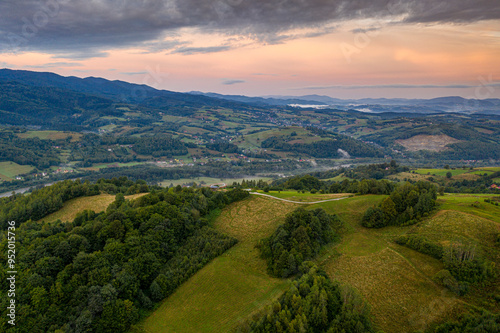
[
  {"x": 33, "y": 98},
  {"x": 103, "y": 271},
  {"x": 116, "y": 90}
]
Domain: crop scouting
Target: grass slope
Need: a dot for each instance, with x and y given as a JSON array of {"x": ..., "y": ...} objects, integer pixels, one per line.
[
  {"x": 304, "y": 197},
  {"x": 232, "y": 286},
  {"x": 8, "y": 170},
  {"x": 394, "y": 280},
  {"x": 466, "y": 220},
  {"x": 50, "y": 135},
  {"x": 71, "y": 208}
]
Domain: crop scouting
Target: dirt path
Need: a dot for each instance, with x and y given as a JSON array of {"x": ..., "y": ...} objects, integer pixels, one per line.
[{"x": 297, "y": 202}]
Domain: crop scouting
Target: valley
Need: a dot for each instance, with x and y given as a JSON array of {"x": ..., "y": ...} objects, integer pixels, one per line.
[
  {"x": 93, "y": 132},
  {"x": 230, "y": 166}
]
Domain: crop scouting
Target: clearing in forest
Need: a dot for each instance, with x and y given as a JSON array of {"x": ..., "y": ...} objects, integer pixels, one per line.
[
  {"x": 97, "y": 203},
  {"x": 427, "y": 142}
]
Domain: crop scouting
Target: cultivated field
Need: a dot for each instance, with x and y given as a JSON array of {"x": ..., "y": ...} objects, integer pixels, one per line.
[{"x": 441, "y": 172}]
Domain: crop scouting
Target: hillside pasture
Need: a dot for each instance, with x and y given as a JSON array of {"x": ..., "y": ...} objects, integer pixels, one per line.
[
  {"x": 9, "y": 170},
  {"x": 232, "y": 286},
  {"x": 304, "y": 197},
  {"x": 50, "y": 135},
  {"x": 395, "y": 281},
  {"x": 441, "y": 172}
]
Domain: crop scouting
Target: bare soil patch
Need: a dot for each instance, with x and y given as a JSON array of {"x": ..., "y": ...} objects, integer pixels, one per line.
[{"x": 427, "y": 142}]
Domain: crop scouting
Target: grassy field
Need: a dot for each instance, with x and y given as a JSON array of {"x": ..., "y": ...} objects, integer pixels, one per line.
[
  {"x": 72, "y": 207},
  {"x": 471, "y": 204},
  {"x": 441, "y": 172},
  {"x": 114, "y": 165},
  {"x": 494, "y": 169},
  {"x": 233, "y": 285},
  {"x": 457, "y": 174},
  {"x": 452, "y": 226},
  {"x": 50, "y": 135},
  {"x": 338, "y": 178},
  {"x": 304, "y": 197},
  {"x": 481, "y": 172},
  {"x": 402, "y": 176},
  {"x": 9, "y": 170},
  {"x": 394, "y": 280},
  {"x": 467, "y": 220}
]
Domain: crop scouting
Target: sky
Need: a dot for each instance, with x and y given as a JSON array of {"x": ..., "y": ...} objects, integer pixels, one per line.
[{"x": 339, "y": 48}]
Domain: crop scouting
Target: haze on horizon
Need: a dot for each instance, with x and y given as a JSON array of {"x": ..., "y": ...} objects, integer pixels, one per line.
[{"x": 339, "y": 48}]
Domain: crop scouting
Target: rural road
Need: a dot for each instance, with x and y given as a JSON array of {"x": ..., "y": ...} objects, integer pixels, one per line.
[{"x": 298, "y": 202}]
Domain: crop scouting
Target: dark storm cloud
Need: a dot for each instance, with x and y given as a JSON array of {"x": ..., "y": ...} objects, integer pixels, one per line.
[{"x": 79, "y": 28}]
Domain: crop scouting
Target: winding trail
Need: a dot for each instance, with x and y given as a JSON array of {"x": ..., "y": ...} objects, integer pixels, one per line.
[{"x": 297, "y": 202}]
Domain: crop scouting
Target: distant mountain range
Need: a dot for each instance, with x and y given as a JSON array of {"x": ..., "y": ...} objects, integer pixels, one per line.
[
  {"x": 435, "y": 105},
  {"x": 120, "y": 91}
]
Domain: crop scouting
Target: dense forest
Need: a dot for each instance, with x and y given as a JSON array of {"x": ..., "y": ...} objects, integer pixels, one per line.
[
  {"x": 34, "y": 151},
  {"x": 102, "y": 271},
  {"x": 223, "y": 147},
  {"x": 326, "y": 148},
  {"x": 299, "y": 239},
  {"x": 313, "y": 304},
  {"x": 375, "y": 171},
  {"x": 406, "y": 205}
]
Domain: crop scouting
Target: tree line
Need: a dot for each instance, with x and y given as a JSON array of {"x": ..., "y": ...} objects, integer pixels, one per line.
[{"x": 310, "y": 183}]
